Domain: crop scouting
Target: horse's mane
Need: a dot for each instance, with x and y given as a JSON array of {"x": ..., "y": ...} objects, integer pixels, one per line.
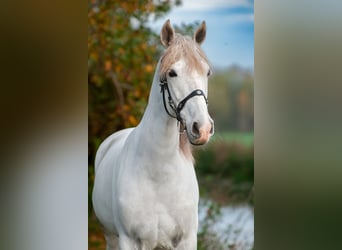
[{"x": 185, "y": 146}]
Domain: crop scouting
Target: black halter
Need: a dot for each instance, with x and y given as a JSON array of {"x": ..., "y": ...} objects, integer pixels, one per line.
[{"x": 177, "y": 109}]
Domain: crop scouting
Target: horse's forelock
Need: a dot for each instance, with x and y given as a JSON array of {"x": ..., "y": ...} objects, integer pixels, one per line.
[{"x": 183, "y": 48}]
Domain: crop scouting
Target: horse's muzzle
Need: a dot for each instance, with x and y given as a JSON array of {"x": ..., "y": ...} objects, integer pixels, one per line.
[{"x": 200, "y": 135}]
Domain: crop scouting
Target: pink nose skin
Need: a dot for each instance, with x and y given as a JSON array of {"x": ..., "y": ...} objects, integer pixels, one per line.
[{"x": 201, "y": 135}]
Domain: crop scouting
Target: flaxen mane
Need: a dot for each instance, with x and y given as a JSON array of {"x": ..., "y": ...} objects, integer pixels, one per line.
[{"x": 183, "y": 47}]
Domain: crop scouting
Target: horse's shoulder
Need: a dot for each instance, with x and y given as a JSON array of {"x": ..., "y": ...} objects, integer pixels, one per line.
[{"x": 110, "y": 141}]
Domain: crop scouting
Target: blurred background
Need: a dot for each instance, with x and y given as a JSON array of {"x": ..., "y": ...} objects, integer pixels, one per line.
[
  {"x": 44, "y": 111},
  {"x": 123, "y": 50}
]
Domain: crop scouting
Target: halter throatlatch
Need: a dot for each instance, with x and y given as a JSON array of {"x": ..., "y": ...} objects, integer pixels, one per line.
[{"x": 177, "y": 108}]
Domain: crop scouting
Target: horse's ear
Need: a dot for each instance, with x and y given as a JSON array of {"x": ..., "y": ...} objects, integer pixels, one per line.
[
  {"x": 167, "y": 34},
  {"x": 200, "y": 33}
]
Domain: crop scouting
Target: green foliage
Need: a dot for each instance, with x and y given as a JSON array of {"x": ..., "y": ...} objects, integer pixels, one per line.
[
  {"x": 231, "y": 99},
  {"x": 226, "y": 160},
  {"x": 245, "y": 139},
  {"x": 225, "y": 168}
]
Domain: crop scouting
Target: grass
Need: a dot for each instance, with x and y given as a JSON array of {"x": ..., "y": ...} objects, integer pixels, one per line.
[{"x": 245, "y": 139}]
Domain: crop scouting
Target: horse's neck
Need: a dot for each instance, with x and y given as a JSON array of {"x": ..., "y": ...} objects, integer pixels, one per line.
[{"x": 157, "y": 128}]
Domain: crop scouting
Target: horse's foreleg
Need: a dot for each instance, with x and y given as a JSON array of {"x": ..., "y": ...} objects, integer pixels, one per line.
[
  {"x": 125, "y": 243},
  {"x": 111, "y": 241},
  {"x": 188, "y": 244}
]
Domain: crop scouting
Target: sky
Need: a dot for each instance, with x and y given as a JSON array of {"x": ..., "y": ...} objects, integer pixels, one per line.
[{"x": 230, "y": 29}]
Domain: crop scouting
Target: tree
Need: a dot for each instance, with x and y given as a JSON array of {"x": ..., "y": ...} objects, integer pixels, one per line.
[
  {"x": 122, "y": 55},
  {"x": 231, "y": 99}
]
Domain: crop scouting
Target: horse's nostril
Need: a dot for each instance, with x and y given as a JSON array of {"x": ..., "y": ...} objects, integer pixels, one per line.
[{"x": 195, "y": 129}]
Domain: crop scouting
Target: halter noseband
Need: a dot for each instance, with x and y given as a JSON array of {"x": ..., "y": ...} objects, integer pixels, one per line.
[{"x": 177, "y": 109}]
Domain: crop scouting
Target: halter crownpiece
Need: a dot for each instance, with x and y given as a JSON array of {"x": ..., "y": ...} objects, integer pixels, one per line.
[{"x": 178, "y": 108}]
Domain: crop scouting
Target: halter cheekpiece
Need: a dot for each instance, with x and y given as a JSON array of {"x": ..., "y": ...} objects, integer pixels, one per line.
[{"x": 177, "y": 108}]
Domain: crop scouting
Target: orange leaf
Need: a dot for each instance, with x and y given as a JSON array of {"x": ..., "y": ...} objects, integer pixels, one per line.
[
  {"x": 108, "y": 65},
  {"x": 149, "y": 68},
  {"x": 132, "y": 120}
]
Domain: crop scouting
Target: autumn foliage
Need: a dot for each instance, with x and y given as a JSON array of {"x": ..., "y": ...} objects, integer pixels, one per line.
[{"x": 122, "y": 55}]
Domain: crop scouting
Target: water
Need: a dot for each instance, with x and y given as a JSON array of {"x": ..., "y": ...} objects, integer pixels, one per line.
[{"x": 233, "y": 225}]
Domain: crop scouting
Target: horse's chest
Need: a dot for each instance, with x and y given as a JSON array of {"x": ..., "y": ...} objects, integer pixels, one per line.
[
  {"x": 164, "y": 210},
  {"x": 174, "y": 225}
]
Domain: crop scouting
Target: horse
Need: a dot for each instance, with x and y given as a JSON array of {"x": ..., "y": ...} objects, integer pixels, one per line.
[{"x": 145, "y": 192}]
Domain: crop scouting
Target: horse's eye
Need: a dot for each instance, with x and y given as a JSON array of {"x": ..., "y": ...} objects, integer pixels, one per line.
[
  {"x": 172, "y": 73},
  {"x": 209, "y": 72}
]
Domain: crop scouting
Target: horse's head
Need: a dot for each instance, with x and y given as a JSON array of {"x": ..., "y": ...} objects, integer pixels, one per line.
[{"x": 184, "y": 72}]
